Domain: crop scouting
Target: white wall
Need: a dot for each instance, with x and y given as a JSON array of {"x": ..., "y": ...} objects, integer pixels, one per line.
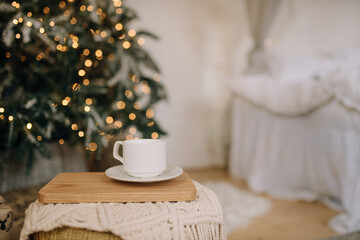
[{"x": 194, "y": 55}]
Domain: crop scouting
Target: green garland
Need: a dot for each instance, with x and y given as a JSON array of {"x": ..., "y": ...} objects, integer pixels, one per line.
[{"x": 73, "y": 72}]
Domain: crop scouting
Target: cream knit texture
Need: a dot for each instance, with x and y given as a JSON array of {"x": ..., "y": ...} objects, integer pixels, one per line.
[{"x": 201, "y": 218}]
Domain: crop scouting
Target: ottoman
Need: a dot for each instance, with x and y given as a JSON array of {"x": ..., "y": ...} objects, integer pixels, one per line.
[{"x": 201, "y": 218}]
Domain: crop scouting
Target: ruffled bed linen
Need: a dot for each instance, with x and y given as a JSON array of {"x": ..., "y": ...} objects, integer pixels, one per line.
[
  {"x": 300, "y": 139},
  {"x": 314, "y": 156}
]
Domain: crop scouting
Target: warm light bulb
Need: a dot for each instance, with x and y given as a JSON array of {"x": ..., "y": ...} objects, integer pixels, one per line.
[
  {"x": 149, "y": 113},
  {"x": 118, "y": 124},
  {"x": 109, "y": 120},
  {"x": 154, "y": 135},
  {"x": 132, "y": 130},
  {"x": 81, "y": 72},
  {"x": 76, "y": 86},
  {"x": 132, "y": 116},
  {"x": 81, "y": 133},
  {"x": 61, "y": 141},
  {"x": 74, "y": 126},
  {"x": 92, "y": 146},
  {"x": 126, "y": 44},
  {"x": 87, "y": 109},
  {"x": 132, "y": 33},
  {"x": 11, "y": 118},
  {"x": 88, "y": 63},
  {"x": 120, "y": 104},
  {"x": 118, "y": 26},
  {"x": 88, "y": 101},
  {"x": 86, "y": 82},
  {"x": 141, "y": 41},
  {"x": 29, "y": 126},
  {"x": 86, "y": 52},
  {"x": 2, "y": 110},
  {"x": 98, "y": 53}
]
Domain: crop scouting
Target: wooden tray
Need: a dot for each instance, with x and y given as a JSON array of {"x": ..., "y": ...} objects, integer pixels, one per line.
[{"x": 87, "y": 187}]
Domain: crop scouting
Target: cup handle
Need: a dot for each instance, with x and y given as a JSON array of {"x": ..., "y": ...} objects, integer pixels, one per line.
[{"x": 116, "y": 151}]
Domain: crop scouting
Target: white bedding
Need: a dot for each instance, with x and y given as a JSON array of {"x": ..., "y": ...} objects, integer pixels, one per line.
[
  {"x": 296, "y": 132},
  {"x": 308, "y": 157}
]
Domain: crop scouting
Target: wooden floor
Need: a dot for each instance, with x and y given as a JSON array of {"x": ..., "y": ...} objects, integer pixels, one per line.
[{"x": 286, "y": 220}]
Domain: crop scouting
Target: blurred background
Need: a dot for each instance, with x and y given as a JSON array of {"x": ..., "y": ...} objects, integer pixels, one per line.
[{"x": 266, "y": 91}]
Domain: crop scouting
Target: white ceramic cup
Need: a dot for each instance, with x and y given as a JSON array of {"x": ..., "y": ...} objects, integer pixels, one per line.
[{"x": 142, "y": 157}]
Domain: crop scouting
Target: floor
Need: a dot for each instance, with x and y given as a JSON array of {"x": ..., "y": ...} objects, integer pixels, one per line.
[{"x": 286, "y": 220}]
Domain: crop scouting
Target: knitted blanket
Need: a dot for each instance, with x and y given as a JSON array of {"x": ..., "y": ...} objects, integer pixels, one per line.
[{"x": 198, "y": 219}]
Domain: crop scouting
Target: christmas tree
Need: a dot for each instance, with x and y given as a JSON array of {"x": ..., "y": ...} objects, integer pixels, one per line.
[{"x": 73, "y": 72}]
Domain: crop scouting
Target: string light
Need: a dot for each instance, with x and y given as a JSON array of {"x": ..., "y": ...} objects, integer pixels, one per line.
[
  {"x": 29, "y": 126},
  {"x": 90, "y": 8},
  {"x": 81, "y": 72},
  {"x": 75, "y": 45},
  {"x": 28, "y": 23},
  {"x": 2, "y": 110},
  {"x": 86, "y": 82},
  {"x": 132, "y": 33},
  {"x": 46, "y": 10},
  {"x": 17, "y": 36},
  {"x": 132, "y": 116},
  {"x": 73, "y": 21},
  {"x": 120, "y": 105},
  {"x": 154, "y": 135},
  {"x": 118, "y": 124},
  {"x": 98, "y": 53},
  {"x": 62, "y": 4},
  {"x": 52, "y": 23},
  {"x": 86, "y": 52},
  {"x": 141, "y": 41},
  {"x": 41, "y": 30},
  {"x": 137, "y": 105},
  {"x": 2, "y": 117},
  {"x": 117, "y": 3},
  {"x": 149, "y": 113},
  {"x": 87, "y": 109},
  {"x": 126, "y": 44},
  {"x": 88, "y": 63},
  {"x": 56, "y": 38},
  {"x": 81, "y": 134},
  {"x": 39, "y": 138},
  {"x": 145, "y": 89},
  {"x": 61, "y": 141},
  {"x": 98, "y": 11},
  {"x": 103, "y": 34},
  {"x": 88, "y": 101},
  {"x": 132, "y": 130},
  {"x": 109, "y": 120},
  {"x": 7, "y": 55},
  {"x": 64, "y": 102},
  {"x": 111, "y": 40},
  {"x": 11, "y": 118},
  {"x": 150, "y": 124},
  {"x": 119, "y": 11},
  {"x": 92, "y": 146},
  {"x": 15, "y": 21},
  {"x": 29, "y": 14},
  {"x": 21, "y": 20},
  {"x": 118, "y": 26},
  {"x": 128, "y": 93},
  {"x": 76, "y": 87},
  {"x": 82, "y": 8},
  {"x": 74, "y": 126}
]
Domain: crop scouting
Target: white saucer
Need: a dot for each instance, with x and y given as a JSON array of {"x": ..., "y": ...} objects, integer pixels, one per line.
[{"x": 118, "y": 173}]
